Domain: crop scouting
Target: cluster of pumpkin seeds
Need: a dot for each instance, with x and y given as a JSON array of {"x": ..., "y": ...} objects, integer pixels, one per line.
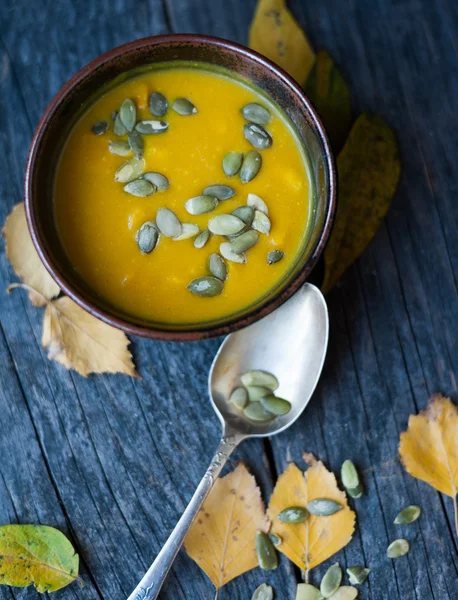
[
  {"x": 256, "y": 398},
  {"x": 330, "y": 586}
]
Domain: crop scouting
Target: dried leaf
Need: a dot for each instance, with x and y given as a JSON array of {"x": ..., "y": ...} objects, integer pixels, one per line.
[
  {"x": 36, "y": 555},
  {"x": 368, "y": 168},
  {"x": 429, "y": 447},
  {"x": 310, "y": 543},
  {"x": 275, "y": 33},
  {"x": 222, "y": 539},
  {"x": 79, "y": 341},
  {"x": 25, "y": 260},
  {"x": 329, "y": 93}
]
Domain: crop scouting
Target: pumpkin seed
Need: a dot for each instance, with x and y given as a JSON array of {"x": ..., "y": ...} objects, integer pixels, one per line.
[
  {"x": 358, "y": 575},
  {"x": 136, "y": 143},
  {"x": 188, "y": 230},
  {"x": 254, "y": 411},
  {"x": 99, "y": 128},
  {"x": 158, "y": 104},
  {"x": 275, "y": 539},
  {"x": 274, "y": 256},
  {"x": 256, "y": 392},
  {"x": 222, "y": 192},
  {"x": 151, "y": 127},
  {"x": 168, "y": 223},
  {"x": 257, "y": 203},
  {"x": 256, "y": 113},
  {"x": 277, "y": 406},
  {"x": 345, "y": 592},
  {"x": 409, "y": 514},
  {"x": 350, "y": 479},
  {"x": 201, "y": 204},
  {"x": 225, "y": 250},
  {"x": 251, "y": 165},
  {"x": 160, "y": 181},
  {"x": 244, "y": 242},
  {"x": 129, "y": 170},
  {"x": 263, "y": 592},
  {"x": 262, "y": 378},
  {"x": 293, "y": 515},
  {"x": 245, "y": 214},
  {"x": 128, "y": 114},
  {"x": 232, "y": 163},
  {"x": 239, "y": 397},
  {"x": 398, "y": 548},
  {"x": 184, "y": 107},
  {"x": 225, "y": 225},
  {"x": 217, "y": 266},
  {"x": 113, "y": 115},
  {"x": 257, "y": 136},
  {"x": 261, "y": 222},
  {"x": 323, "y": 507},
  {"x": 331, "y": 580},
  {"x": 147, "y": 237},
  {"x": 306, "y": 591},
  {"x": 202, "y": 239},
  {"x": 118, "y": 127},
  {"x": 267, "y": 555},
  {"x": 206, "y": 286},
  {"x": 140, "y": 188},
  {"x": 119, "y": 147}
]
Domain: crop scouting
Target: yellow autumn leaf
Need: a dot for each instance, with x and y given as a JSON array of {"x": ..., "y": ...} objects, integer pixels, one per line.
[
  {"x": 275, "y": 33},
  {"x": 222, "y": 539},
  {"x": 310, "y": 543},
  {"x": 25, "y": 260},
  {"x": 79, "y": 341},
  {"x": 429, "y": 447}
]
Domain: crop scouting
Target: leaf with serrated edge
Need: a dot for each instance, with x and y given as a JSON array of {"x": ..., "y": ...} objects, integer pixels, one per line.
[
  {"x": 25, "y": 260},
  {"x": 36, "y": 555},
  {"x": 310, "y": 543},
  {"x": 429, "y": 447},
  {"x": 275, "y": 33},
  {"x": 368, "y": 169},
  {"x": 222, "y": 539},
  {"x": 81, "y": 342},
  {"x": 329, "y": 93}
]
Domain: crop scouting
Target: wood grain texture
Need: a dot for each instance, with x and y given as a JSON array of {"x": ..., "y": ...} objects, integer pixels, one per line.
[{"x": 111, "y": 461}]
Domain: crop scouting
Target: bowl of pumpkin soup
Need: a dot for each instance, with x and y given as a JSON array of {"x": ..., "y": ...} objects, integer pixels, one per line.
[{"x": 180, "y": 187}]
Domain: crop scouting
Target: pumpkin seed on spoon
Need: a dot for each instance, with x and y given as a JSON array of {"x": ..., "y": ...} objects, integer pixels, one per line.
[
  {"x": 222, "y": 192},
  {"x": 251, "y": 165},
  {"x": 158, "y": 104},
  {"x": 254, "y": 411},
  {"x": 200, "y": 205},
  {"x": 239, "y": 397},
  {"x": 261, "y": 378}
]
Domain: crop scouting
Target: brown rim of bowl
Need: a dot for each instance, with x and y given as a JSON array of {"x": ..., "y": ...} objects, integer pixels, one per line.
[{"x": 236, "y": 322}]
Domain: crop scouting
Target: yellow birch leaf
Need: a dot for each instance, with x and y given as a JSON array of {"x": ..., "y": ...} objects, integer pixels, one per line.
[
  {"x": 310, "y": 543},
  {"x": 81, "y": 342},
  {"x": 25, "y": 260},
  {"x": 429, "y": 447},
  {"x": 275, "y": 33},
  {"x": 368, "y": 169},
  {"x": 36, "y": 555},
  {"x": 222, "y": 539}
]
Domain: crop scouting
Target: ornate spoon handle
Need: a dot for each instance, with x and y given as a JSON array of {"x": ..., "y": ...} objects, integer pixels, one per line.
[{"x": 151, "y": 583}]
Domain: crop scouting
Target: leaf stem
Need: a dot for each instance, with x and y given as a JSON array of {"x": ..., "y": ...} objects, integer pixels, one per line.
[
  {"x": 455, "y": 508},
  {"x": 29, "y": 288},
  {"x": 217, "y": 593}
]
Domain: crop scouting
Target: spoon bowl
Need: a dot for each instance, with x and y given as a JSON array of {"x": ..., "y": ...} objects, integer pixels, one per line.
[{"x": 291, "y": 344}]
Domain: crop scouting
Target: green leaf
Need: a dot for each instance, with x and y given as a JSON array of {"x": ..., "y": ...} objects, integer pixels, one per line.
[
  {"x": 329, "y": 93},
  {"x": 36, "y": 555},
  {"x": 368, "y": 169}
]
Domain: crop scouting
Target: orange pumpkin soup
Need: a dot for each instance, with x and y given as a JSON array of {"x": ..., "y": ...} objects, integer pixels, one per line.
[{"x": 122, "y": 202}]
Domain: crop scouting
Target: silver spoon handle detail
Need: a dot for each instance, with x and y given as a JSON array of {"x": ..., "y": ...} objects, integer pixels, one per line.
[{"x": 151, "y": 583}]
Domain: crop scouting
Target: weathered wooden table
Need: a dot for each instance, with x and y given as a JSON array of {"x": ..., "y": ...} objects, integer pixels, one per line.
[{"x": 112, "y": 461}]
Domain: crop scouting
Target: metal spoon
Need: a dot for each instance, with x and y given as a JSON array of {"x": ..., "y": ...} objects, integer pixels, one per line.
[{"x": 291, "y": 343}]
